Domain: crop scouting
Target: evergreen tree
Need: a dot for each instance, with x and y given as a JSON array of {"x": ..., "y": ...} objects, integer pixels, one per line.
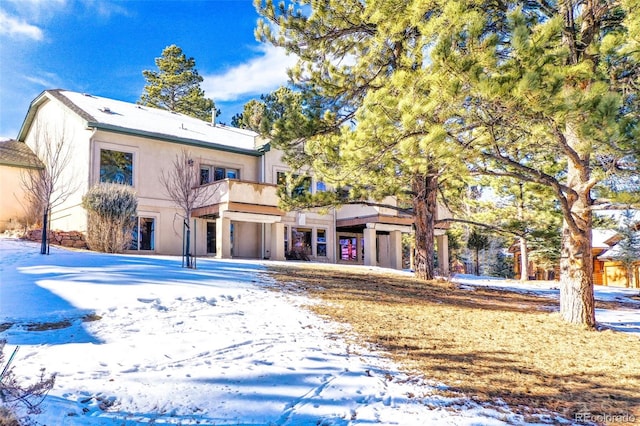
[
  {"x": 349, "y": 125},
  {"x": 541, "y": 92},
  {"x": 175, "y": 86},
  {"x": 477, "y": 242}
]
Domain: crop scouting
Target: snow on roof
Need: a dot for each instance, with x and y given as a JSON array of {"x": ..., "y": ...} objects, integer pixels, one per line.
[
  {"x": 599, "y": 237},
  {"x": 119, "y": 115},
  {"x": 615, "y": 252}
]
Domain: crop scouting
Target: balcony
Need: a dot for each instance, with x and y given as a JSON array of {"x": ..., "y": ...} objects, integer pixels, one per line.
[{"x": 239, "y": 196}]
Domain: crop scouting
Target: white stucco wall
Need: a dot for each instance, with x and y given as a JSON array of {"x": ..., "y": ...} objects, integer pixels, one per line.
[{"x": 54, "y": 124}]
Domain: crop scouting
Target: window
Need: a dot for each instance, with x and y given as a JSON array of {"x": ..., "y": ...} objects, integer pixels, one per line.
[
  {"x": 286, "y": 239},
  {"x": 205, "y": 175},
  {"x": 298, "y": 186},
  {"x": 211, "y": 238},
  {"x": 320, "y": 186},
  {"x": 217, "y": 173},
  {"x": 348, "y": 247},
  {"x": 143, "y": 234},
  {"x": 301, "y": 240},
  {"x": 116, "y": 167},
  {"x": 321, "y": 247}
]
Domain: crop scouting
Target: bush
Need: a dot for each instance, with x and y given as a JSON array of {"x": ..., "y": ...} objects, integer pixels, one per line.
[
  {"x": 14, "y": 396},
  {"x": 112, "y": 208}
]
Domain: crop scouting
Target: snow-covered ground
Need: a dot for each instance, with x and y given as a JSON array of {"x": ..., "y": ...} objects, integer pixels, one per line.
[
  {"x": 212, "y": 346},
  {"x": 623, "y": 319}
]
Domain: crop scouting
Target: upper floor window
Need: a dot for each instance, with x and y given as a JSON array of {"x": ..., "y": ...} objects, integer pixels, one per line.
[
  {"x": 210, "y": 174},
  {"x": 301, "y": 184},
  {"x": 116, "y": 167}
]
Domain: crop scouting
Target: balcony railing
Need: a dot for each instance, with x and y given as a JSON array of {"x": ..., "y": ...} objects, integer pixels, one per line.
[{"x": 240, "y": 194}]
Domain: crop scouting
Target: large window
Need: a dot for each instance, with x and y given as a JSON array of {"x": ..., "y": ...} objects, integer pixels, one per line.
[
  {"x": 144, "y": 234},
  {"x": 301, "y": 240},
  {"x": 116, "y": 167},
  {"x": 210, "y": 174},
  {"x": 348, "y": 248}
]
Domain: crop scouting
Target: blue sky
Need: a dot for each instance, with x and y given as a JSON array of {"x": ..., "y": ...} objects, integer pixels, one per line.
[{"x": 102, "y": 46}]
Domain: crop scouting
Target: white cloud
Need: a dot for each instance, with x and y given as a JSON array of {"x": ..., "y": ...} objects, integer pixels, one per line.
[
  {"x": 260, "y": 75},
  {"x": 45, "y": 80},
  {"x": 17, "y": 28}
]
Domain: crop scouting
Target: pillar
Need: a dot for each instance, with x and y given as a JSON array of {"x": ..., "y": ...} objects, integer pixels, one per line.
[
  {"x": 395, "y": 249},
  {"x": 277, "y": 241},
  {"x": 442, "y": 242},
  {"x": 223, "y": 237},
  {"x": 369, "y": 246}
]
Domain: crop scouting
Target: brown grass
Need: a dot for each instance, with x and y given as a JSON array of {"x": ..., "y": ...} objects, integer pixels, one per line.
[{"x": 487, "y": 344}]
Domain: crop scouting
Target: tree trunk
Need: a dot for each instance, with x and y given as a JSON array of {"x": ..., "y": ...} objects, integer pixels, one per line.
[
  {"x": 524, "y": 260},
  {"x": 425, "y": 189},
  {"x": 576, "y": 264},
  {"x": 45, "y": 231}
]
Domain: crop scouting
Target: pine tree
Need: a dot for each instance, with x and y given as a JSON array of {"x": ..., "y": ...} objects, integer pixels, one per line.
[
  {"x": 350, "y": 128},
  {"x": 176, "y": 86},
  {"x": 541, "y": 92}
]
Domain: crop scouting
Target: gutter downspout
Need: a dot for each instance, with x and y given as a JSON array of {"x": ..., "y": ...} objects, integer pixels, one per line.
[{"x": 263, "y": 242}]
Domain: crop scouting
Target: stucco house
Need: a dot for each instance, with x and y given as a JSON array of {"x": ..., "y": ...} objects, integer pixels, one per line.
[
  {"x": 132, "y": 144},
  {"x": 16, "y": 159}
]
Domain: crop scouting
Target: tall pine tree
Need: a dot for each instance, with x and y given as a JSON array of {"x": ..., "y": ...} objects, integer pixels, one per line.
[
  {"x": 175, "y": 86},
  {"x": 540, "y": 91}
]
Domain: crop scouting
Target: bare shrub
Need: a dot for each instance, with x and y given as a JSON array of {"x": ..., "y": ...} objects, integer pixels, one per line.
[
  {"x": 15, "y": 397},
  {"x": 112, "y": 208}
]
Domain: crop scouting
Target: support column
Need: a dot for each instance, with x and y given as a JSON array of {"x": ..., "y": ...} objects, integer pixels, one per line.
[
  {"x": 442, "y": 242},
  {"x": 370, "y": 246},
  {"x": 223, "y": 237},
  {"x": 277, "y": 241},
  {"x": 395, "y": 249}
]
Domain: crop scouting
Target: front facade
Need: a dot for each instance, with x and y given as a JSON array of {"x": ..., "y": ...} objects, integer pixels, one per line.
[{"x": 114, "y": 141}]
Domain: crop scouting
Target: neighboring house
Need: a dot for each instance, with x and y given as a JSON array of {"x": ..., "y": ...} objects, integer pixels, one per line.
[
  {"x": 16, "y": 159},
  {"x": 132, "y": 144},
  {"x": 606, "y": 269},
  {"x": 614, "y": 273}
]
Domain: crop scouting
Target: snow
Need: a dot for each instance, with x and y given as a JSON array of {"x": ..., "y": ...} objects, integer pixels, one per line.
[
  {"x": 623, "y": 319},
  {"x": 212, "y": 346},
  {"x": 158, "y": 121}
]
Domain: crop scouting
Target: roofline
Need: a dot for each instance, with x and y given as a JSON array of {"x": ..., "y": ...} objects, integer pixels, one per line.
[
  {"x": 20, "y": 165},
  {"x": 167, "y": 138},
  {"x": 31, "y": 112}
]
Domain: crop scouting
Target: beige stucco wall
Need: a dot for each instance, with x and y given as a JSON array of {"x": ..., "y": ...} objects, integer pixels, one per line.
[
  {"x": 314, "y": 220},
  {"x": 150, "y": 159},
  {"x": 12, "y": 197}
]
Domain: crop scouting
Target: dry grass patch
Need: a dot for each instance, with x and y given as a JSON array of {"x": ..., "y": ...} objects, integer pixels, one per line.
[{"x": 485, "y": 343}]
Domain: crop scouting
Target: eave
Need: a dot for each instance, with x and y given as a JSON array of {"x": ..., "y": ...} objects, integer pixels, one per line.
[{"x": 167, "y": 138}]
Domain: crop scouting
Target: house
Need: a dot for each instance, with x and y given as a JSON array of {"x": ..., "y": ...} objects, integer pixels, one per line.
[
  {"x": 16, "y": 159},
  {"x": 117, "y": 141},
  {"x": 607, "y": 270},
  {"x": 614, "y": 272}
]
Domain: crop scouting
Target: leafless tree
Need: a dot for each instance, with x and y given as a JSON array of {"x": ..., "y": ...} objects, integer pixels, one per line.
[
  {"x": 51, "y": 185},
  {"x": 182, "y": 185}
]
